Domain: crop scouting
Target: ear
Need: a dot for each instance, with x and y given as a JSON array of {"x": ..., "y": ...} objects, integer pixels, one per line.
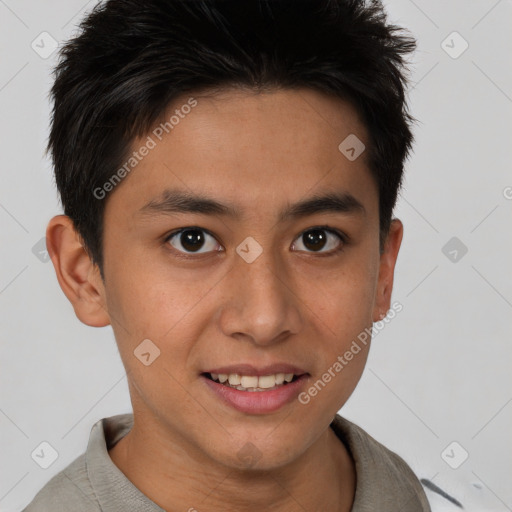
[
  {"x": 387, "y": 269},
  {"x": 78, "y": 277}
]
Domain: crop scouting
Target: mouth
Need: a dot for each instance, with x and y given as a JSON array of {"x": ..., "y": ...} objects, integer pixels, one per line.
[
  {"x": 253, "y": 383},
  {"x": 256, "y": 391}
]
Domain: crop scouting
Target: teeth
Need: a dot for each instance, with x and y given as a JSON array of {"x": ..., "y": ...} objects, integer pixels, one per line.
[
  {"x": 234, "y": 379},
  {"x": 252, "y": 382},
  {"x": 265, "y": 382},
  {"x": 279, "y": 378},
  {"x": 249, "y": 382}
]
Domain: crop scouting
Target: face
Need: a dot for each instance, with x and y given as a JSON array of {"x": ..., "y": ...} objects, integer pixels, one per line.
[{"x": 252, "y": 277}]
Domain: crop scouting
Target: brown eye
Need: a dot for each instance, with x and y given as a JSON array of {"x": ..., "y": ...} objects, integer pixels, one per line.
[
  {"x": 192, "y": 240},
  {"x": 316, "y": 239}
]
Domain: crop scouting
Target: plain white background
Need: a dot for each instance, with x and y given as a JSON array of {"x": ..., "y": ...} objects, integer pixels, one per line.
[{"x": 438, "y": 373}]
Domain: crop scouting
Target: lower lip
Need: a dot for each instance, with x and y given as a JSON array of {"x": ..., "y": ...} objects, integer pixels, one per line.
[{"x": 257, "y": 402}]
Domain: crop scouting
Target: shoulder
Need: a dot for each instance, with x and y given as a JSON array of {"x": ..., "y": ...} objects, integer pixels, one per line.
[
  {"x": 384, "y": 479},
  {"x": 68, "y": 490}
]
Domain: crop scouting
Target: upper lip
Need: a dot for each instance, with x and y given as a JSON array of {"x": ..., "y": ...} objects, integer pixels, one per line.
[{"x": 249, "y": 369}]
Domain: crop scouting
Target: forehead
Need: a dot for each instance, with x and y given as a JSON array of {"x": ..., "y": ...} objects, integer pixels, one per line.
[
  {"x": 250, "y": 147},
  {"x": 291, "y": 123}
]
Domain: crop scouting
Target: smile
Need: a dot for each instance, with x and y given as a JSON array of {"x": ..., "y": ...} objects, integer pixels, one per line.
[
  {"x": 253, "y": 394},
  {"x": 253, "y": 382}
]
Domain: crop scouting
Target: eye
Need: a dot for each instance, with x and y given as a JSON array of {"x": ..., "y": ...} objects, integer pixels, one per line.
[
  {"x": 192, "y": 240},
  {"x": 318, "y": 238}
]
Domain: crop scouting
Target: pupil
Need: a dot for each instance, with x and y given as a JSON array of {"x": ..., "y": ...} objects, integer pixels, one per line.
[
  {"x": 192, "y": 239},
  {"x": 315, "y": 239}
]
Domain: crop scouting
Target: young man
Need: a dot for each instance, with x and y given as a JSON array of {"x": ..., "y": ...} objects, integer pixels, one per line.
[{"x": 228, "y": 172}]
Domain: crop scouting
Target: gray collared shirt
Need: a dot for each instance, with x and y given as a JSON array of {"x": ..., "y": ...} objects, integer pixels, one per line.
[{"x": 92, "y": 482}]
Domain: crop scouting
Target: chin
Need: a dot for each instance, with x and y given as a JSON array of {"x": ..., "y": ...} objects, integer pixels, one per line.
[{"x": 252, "y": 455}]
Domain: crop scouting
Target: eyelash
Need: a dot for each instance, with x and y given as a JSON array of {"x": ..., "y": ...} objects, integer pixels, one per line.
[{"x": 343, "y": 238}]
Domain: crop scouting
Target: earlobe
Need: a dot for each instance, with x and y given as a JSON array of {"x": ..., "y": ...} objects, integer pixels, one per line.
[
  {"x": 386, "y": 270},
  {"x": 78, "y": 277}
]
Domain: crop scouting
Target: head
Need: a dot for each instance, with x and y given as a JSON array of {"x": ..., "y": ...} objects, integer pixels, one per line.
[{"x": 231, "y": 119}]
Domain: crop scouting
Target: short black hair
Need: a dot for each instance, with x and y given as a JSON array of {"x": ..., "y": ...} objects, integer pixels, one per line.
[{"x": 131, "y": 59}]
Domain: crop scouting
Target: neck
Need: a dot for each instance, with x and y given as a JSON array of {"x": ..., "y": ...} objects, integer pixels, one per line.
[{"x": 175, "y": 478}]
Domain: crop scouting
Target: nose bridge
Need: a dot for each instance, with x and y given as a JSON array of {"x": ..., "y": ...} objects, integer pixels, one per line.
[
  {"x": 262, "y": 305},
  {"x": 264, "y": 277}
]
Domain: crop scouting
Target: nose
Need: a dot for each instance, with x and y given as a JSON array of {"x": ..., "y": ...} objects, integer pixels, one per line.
[{"x": 261, "y": 305}]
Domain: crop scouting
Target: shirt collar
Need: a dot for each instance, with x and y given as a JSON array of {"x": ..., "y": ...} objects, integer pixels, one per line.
[{"x": 115, "y": 493}]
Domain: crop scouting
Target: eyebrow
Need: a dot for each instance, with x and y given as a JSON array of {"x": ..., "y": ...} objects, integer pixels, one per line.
[{"x": 173, "y": 201}]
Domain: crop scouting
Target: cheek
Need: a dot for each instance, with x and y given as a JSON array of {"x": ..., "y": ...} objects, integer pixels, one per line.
[
  {"x": 342, "y": 345},
  {"x": 342, "y": 307},
  {"x": 343, "y": 298},
  {"x": 152, "y": 301}
]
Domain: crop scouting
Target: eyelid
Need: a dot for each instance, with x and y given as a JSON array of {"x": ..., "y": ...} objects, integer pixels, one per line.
[
  {"x": 343, "y": 236},
  {"x": 168, "y": 236}
]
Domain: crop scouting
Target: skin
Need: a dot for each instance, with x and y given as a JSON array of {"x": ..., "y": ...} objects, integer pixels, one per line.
[{"x": 295, "y": 303}]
